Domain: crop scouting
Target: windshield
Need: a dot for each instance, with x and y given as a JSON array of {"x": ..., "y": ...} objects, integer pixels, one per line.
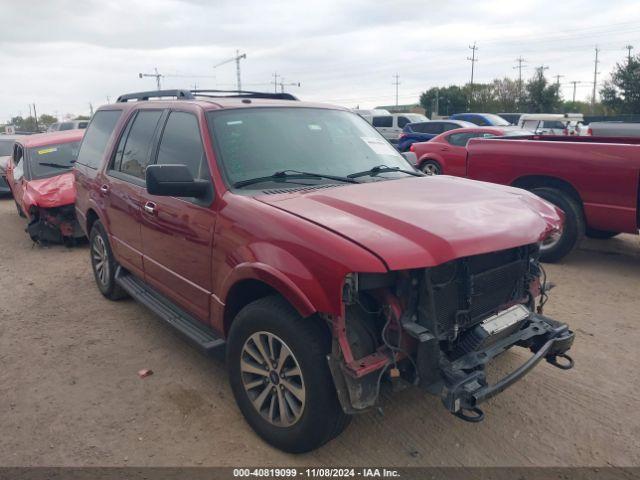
[
  {"x": 6, "y": 147},
  {"x": 52, "y": 160},
  {"x": 257, "y": 142},
  {"x": 496, "y": 120}
]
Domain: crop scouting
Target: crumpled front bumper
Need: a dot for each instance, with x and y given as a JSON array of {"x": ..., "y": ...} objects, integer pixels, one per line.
[{"x": 465, "y": 385}]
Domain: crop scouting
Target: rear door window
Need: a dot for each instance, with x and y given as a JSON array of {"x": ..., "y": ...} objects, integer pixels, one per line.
[
  {"x": 461, "y": 139},
  {"x": 98, "y": 134},
  {"x": 402, "y": 121},
  {"x": 134, "y": 153}
]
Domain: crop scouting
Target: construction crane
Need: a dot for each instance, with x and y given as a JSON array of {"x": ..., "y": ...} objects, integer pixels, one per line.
[
  {"x": 236, "y": 59},
  {"x": 157, "y": 76}
]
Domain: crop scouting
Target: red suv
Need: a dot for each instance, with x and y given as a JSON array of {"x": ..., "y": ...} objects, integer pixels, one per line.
[{"x": 294, "y": 234}]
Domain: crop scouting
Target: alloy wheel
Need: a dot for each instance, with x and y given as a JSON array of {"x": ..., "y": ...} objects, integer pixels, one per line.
[
  {"x": 100, "y": 259},
  {"x": 272, "y": 379}
]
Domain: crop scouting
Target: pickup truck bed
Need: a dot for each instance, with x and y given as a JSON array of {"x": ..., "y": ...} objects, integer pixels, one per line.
[{"x": 595, "y": 180}]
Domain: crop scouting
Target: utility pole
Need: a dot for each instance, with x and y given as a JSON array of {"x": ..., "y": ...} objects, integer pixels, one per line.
[
  {"x": 275, "y": 82},
  {"x": 629, "y": 48},
  {"x": 157, "y": 76},
  {"x": 558, "y": 77},
  {"x": 35, "y": 115},
  {"x": 90, "y": 109},
  {"x": 396, "y": 83},
  {"x": 236, "y": 59},
  {"x": 574, "y": 82},
  {"x": 520, "y": 61},
  {"x": 595, "y": 79},
  {"x": 473, "y": 60}
]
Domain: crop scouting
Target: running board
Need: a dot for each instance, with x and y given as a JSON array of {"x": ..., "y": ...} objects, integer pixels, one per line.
[{"x": 168, "y": 311}]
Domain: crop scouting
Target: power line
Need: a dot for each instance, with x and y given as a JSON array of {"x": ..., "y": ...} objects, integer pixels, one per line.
[{"x": 396, "y": 83}]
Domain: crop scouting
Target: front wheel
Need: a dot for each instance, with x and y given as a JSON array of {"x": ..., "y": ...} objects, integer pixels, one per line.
[
  {"x": 431, "y": 167},
  {"x": 280, "y": 377},
  {"x": 557, "y": 246}
]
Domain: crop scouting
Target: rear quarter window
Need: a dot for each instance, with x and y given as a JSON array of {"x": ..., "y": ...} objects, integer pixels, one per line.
[{"x": 98, "y": 134}]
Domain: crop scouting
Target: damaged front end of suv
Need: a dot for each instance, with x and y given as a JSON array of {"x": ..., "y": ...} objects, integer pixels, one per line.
[{"x": 439, "y": 327}]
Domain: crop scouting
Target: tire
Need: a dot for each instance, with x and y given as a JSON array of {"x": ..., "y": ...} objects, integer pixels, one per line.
[
  {"x": 431, "y": 167},
  {"x": 19, "y": 209},
  {"x": 307, "y": 424},
  {"x": 600, "y": 234},
  {"x": 100, "y": 251},
  {"x": 574, "y": 225}
]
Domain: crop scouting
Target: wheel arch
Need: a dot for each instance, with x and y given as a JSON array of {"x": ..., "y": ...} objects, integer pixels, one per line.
[
  {"x": 252, "y": 282},
  {"x": 530, "y": 182}
]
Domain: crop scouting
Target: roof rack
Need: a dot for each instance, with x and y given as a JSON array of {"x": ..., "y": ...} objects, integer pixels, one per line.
[
  {"x": 143, "y": 96},
  {"x": 190, "y": 95},
  {"x": 242, "y": 94}
]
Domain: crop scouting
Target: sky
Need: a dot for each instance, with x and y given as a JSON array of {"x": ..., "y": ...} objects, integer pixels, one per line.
[{"x": 64, "y": 55}]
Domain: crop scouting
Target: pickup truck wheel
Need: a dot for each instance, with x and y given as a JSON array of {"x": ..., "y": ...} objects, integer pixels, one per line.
[
  {"x": 431, "y": 167},
  {"x": 558, "y": 246},
  {"x": 103, "y": 264},
  {"x": 280, "y": 377},
  {"x": 600, "y": 234}
]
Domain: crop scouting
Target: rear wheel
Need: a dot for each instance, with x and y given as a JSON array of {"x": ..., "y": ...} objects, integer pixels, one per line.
[
  {"x": 600, "y": 234},
  {"x": 557, "y": 246},
  {"x": 103, "y": 263},
  {"x": 280, "y": 377},
  {"x": 431, "y": 167}
]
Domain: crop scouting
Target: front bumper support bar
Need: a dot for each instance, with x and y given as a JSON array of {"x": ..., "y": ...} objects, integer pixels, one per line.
[{"x": 465, "y": 385}]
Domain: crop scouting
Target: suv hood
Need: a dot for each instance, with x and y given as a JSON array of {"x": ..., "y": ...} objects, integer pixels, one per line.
[
  {"x": 425, "y": 221},
  {"x": 51, "y": 192}
]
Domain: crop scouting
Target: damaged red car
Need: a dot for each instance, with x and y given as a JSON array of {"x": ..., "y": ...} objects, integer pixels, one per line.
[{"x": 43, "y": 186}]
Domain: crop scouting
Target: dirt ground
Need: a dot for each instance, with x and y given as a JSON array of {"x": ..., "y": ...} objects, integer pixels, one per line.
[{"x": 70, "y": 393}]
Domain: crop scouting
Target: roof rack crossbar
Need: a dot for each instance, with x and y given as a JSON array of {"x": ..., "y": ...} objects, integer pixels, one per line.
[
  {"x": 143, "y": 96},
  {"x": 243, "y": 94}
]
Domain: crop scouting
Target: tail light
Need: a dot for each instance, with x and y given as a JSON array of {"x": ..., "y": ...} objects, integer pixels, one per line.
[
  {"x": 411, "y": 148},
  {"x": 565, "y": 131},
  {"x": 589, "y": 131},
  {"x": 401, "y": 136}
]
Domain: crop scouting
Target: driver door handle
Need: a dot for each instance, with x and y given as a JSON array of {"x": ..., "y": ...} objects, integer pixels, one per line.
[
  {"x": 104, "y": 189},
  {"x": 150, "y": 208}
]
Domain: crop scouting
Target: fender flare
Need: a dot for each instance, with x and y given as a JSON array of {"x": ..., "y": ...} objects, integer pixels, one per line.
[{"x": 273, "y": 278}]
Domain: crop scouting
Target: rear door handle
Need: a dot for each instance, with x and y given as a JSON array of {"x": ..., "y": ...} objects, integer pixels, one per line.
[
  {"x": 150, "y": 208},
  {"x": 104, "y": 189}
]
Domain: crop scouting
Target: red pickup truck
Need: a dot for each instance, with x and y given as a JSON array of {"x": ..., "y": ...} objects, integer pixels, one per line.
[{"x": 594, "y": 180}]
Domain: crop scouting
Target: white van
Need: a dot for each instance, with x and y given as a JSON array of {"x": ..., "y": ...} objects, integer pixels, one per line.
[
  {"x": 391, "y": 125},
  {"x": 552, "y": 123}
]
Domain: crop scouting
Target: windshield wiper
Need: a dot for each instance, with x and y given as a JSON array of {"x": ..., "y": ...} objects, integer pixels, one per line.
[
  {"x": 292, "y": 174},
  {"x": 54, "y": 165},
  {"x": 382, "y": 169}
]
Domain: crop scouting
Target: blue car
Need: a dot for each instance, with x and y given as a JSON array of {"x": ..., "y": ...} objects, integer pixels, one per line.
[
  {"x": 425, "y": 131},
  {"x": 481, "y": 119}
]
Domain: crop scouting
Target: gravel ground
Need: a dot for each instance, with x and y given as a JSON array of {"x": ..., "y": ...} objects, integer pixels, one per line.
[{"x": 70, "y": 393}]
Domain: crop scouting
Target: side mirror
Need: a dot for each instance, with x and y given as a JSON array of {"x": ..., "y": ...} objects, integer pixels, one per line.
[
  {"x": 410, "y": 157},
  {"x": 174, "y": 181}
]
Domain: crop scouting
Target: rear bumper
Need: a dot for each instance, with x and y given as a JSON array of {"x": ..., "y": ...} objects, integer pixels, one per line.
[{"x": 464, "y": 381}]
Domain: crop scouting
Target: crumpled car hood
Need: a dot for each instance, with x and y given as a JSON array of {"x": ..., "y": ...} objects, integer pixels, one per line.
[
  {"x": 51, "y": 192},
  {"x": 425, "y": 221}
]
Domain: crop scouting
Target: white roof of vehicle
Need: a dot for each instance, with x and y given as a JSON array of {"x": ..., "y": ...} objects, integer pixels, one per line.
[{"x": 551, "y": 116}]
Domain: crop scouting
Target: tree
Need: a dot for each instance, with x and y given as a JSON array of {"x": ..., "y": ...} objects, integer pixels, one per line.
[
  {"x": 622, "y": 92},
  {"x": 24, "y": 124},
  {"x": 540, "y": 96},
  {"x": 444, "y": 100},
  {"x": 46, "y": 120}
]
